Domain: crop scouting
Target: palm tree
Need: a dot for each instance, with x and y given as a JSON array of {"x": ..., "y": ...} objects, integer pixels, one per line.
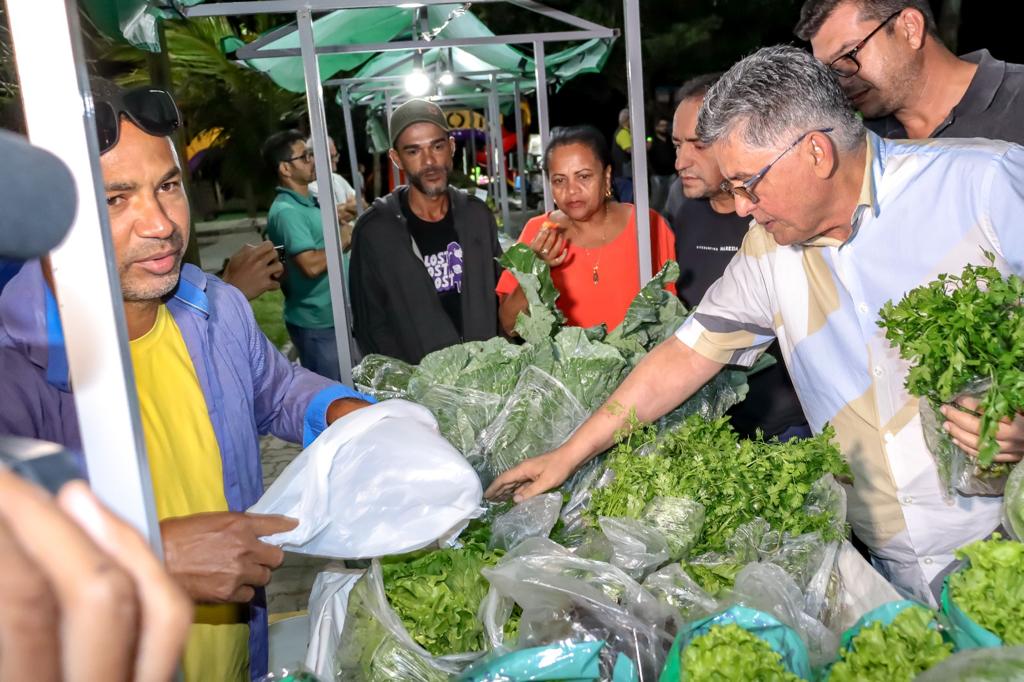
[{"x": 214, "y": 92}]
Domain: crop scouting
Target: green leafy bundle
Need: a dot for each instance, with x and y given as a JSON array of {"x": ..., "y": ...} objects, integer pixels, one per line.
[
  {"x": 438, "y": 594},
  {"x": 735, "y": 480},
  {"x": 897, "y": 652},
  {"x": 959, "y": 329},
  {"x": 727, "y": 653},
  {"x": 991, "y": 589}
]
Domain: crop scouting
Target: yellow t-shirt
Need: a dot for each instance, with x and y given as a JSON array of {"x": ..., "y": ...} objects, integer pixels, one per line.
[{"x": 185, "y": 464}]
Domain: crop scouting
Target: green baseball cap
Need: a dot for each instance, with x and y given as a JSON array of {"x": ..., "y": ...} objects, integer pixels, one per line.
[{"x": 415, "y": 111}]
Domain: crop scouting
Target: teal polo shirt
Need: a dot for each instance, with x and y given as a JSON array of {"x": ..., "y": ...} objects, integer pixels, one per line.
[{"x": 294, "y": 222}]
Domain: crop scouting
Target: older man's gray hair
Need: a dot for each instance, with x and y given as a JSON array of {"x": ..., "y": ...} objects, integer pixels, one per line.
[{"x": 775, "y": 95}]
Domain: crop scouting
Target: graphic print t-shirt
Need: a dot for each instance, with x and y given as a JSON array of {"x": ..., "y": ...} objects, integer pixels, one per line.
[{"x": 442, "y": 257}]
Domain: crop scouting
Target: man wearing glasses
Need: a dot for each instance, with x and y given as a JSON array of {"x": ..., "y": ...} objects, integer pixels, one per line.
[
  {"x": 293, "y": 222},
  {"x": 208, "y": 382},
  {"x": 872, "y": 218},
  {"x": 893, "y": 66}
]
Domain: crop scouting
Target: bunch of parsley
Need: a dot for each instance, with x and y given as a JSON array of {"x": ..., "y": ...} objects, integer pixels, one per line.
[
  {"x": 959, "y": 329},
  {"x": 893, "y": 653},
  {"x": 735, "y": 480},
  {"x": 728, "y": 652},
  {"x": 991, "y": 589}
]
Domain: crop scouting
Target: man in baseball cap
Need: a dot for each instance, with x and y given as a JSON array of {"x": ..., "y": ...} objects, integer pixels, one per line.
[{"x": 423, "y": 267}]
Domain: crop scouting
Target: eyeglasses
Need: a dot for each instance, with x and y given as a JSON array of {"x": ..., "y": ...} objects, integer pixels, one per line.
[
  {"x": 152, "y": 110},
  {"x": 746, "y": 189},
  {"x": 306, "y": 156},
  {"x": 846, "y": 65}
]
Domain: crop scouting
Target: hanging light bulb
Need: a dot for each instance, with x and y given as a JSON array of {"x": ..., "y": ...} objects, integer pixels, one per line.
[
  {"x": 446, "y": 78},
  {"x": 417, "y": 83}
]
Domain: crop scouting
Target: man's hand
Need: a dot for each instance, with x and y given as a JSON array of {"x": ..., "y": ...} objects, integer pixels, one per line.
[
  {"x": 965, "y": 429},
  {"x": 347, "y": 210},
  {"x": 254, "y": 269},
  {"x": 532, "y": 477},
  {"x": 342, "y": 406},
  {"x": 346, "y": 235},
  {"x": 82, "y": 596},
  {"x": 218, "y": 557}
]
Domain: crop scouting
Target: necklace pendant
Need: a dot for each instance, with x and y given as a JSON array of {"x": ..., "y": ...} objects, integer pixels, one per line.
[{"x": 596, "y": 278}]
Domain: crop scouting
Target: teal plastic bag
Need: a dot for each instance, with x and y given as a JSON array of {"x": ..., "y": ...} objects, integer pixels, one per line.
[
  {"x": 966, "y": 634},
  {"x": 782, "y": 639},
  {"x": 569, "y": 661}
]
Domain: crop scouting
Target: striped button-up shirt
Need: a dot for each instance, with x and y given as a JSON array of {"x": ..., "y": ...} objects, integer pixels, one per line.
[{"x": 926, "y": 207}]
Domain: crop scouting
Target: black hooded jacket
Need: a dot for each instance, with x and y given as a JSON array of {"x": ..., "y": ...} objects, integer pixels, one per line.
[{"x": 395, "y": 307}]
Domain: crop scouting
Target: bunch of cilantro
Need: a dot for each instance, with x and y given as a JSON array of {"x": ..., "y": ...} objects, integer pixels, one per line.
[
  {"x": 960, "y": 329},
  {"x": 728, "y": 652},
  {"x": 991, "y": 589},
  {"x": 735, "y": 480},
  {"x": 897, "y": 652},
  {"x": 437, "y": 594}
]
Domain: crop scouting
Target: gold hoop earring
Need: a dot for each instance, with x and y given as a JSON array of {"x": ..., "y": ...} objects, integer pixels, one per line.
[{"x": 608, "y": 192}]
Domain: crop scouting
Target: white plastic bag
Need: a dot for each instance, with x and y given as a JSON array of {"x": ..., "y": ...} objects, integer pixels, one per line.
[
  {"x": 328, "y": 602},
  {"x": 379, "y": 481}
]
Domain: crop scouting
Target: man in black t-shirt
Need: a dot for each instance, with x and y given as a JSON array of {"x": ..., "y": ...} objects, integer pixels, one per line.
[
  {"x": 423, "y": 267},
  {"x": 708, "y": 234}
]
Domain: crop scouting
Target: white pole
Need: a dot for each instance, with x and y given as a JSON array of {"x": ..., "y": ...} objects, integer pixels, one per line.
[
  {"x": 520, "y": 153},
  {"x": 328, "y": 212},
  {"x": 635, "y": 83},
  {"x": 60, "y": 116},
  {"x": 350, "y": 142},
  {"x": 541, "y": 75}
]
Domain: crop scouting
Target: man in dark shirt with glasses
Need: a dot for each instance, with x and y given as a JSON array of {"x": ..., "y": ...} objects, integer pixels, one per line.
[{"x": 884, "y": 50}]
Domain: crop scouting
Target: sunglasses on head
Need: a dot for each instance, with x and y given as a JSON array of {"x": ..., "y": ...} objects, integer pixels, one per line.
[{"x": 152, "y": 110}]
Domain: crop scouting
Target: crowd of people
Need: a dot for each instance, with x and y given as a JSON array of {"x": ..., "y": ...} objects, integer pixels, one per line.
[{"x": 807, "y": 193}]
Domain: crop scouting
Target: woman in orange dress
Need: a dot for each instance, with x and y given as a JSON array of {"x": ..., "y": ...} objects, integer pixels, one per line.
[{"x": 589, "y": 241}]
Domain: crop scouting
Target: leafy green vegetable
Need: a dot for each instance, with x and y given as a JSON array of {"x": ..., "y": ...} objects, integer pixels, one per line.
[
  {"x": 727, "y": 653},
  {"x": 1013, "y": 501},
  {"x": 491, "y": 366},
  {"x": 534, "y": 276},
  {"x": 591, "y": 370},
  {"x": 958, "y": 329},
  {"x": 735, "y": 480},
  {"x": 991, "y": 589},
  {"x": 893, "y": 653},
  {"x": 383, "y": 377},
  {"x": 438, "y": 594},
  {"x": 652, "y": 316}
]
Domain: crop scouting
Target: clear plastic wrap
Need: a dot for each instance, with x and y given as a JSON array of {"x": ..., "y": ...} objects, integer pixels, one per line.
[
  {"x": 1013, "y": 504},
  {"x": 590, "y": 370},
  {"x": 461, "y": 413},
  {"x": 382, "y": 377},
  {"x": 979, "y": 665},
  {"x": 679, "y": 519},
  {"x": 674, "y": 587},
  {"x": 538, "y": 416},
  {"x": 958, "y": 471},
  {"x": 637, "y": 548},
  {"x": 769, "y": 588},
  {"x": 533, "y": 518},
  {"x": 376, "y": 647},
  {"x": 566, "y": 597}
]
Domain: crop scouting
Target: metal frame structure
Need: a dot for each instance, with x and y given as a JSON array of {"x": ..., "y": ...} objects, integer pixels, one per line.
[{"x": 309, "y": 52}]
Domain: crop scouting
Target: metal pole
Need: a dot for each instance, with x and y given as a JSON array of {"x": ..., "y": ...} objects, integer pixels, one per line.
[
  {"x": 60, "y": 117},
  {"x": 541, "y": 76},
  {"x": 350, "y": 142},
  {"x": 499, "y": 151},
  {"x": 328, "y": 212},
  {"x": 390, "y": 109},
  {"x": 520, "y": 153},
  {"x": 638, "y": 129}
]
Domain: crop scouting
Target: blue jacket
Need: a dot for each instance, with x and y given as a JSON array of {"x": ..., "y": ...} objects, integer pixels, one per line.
[{"x": 250, "y": 388}]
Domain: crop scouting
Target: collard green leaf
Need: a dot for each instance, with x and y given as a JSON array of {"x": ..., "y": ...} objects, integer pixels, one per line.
[
  {"x": 591, "y": 370},
  {"x": 543, "y": 318},
  {"x": 652, "y": 316}
]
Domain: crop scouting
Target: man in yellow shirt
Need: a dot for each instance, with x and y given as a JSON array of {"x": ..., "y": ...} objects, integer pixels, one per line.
[{"x": 209, "y": 384}]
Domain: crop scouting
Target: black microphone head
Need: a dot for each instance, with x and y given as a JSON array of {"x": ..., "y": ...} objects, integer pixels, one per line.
[{"x": 37, "y": 196}]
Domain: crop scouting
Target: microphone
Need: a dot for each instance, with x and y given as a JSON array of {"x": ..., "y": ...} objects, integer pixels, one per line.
[{"x": 37, "y": 196}]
